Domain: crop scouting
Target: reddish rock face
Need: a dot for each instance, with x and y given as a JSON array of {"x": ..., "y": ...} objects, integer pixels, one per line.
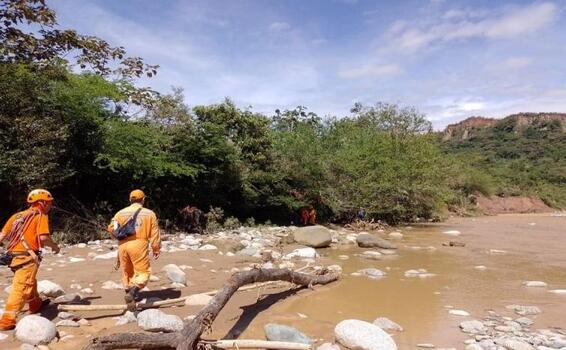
[{"x": 469, "y": 127}]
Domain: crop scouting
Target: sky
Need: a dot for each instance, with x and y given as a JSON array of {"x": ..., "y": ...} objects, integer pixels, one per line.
[{"x": 450, "y": 59}]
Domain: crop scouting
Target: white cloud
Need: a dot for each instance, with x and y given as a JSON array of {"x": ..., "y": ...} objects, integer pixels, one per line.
[
  {"x": 370, "y": 71},
  {"x": 279, "y": 26},
  {"x": 468, "y": 24}
]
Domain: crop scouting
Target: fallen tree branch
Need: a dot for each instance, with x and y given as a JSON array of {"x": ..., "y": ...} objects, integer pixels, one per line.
[
  {"x": 157, "y": 304},
  {"x": 161, "y": 303},
  {"x": 188, "y": 338}
]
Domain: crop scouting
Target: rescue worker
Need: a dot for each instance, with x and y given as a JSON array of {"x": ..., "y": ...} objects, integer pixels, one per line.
[
  {"x": 312, "y": 216},
  {"x": 133, "y": 251},
  {"x": 26, "y": 233}
]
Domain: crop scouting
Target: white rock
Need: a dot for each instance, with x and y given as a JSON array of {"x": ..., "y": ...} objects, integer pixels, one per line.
[
  {"x": 396, "y": 235},
  {"x": 480, "y": 267},
  {"x": 198, "y": 299},
  {"x": 361, "y": 335},
  {"x": 473, "y": 327},
  {"x": 4, "y": 336},
  {"x": 111, "y": 285},
  {"x": 208, "y": 247},
  {"x": 111, "y": 255},
  {"x": 87, "y": 291},
  {"x": 458, "y": 313},
  {"x": 74, "y": 260},
  {"x": 128, "y": 317},
  {"x": 35, "y": 330},
  {"x": 558, "y": 291},
  {"x": 524, "y": 310},
  {"x": 67, "y": 323},
  {"x": 370, "y": 254},
  {"x": 154, "y": 320},
  {"x": 387, "y": 325},
  {"x": 328, "y": 346},
  {"x": 534, "y": 284},
  {"x": 307, "y": 252},
  {"x": 49, "y": 289},
  {"x": 372, "y": 273},
  {"x": 175, "y": 274},
  {"x": 452, "y": 233}
]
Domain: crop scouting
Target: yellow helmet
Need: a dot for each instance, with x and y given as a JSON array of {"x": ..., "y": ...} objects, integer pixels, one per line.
[
  {"x": 136, "y": 195},
  {"x": 39, "y": 195}
]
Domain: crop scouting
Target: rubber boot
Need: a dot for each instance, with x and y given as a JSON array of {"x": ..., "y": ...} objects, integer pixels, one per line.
[
  {"x": 7, "y": 324},
  {"x": 36, "y": 305},
  {"x": 131, "y": 297}
]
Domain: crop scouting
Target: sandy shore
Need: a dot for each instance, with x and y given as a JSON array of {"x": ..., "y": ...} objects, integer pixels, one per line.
[{"x": 513, "y": 249}]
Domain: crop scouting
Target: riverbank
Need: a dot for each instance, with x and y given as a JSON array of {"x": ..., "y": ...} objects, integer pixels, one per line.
[{"x": 487, "y": 274}]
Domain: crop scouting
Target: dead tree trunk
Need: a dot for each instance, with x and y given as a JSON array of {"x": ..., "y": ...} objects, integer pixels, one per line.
[{"x": 189, "y": 336}]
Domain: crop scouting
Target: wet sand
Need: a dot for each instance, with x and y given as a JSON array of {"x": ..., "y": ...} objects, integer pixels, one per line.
[{"x": 534, "y": 250}]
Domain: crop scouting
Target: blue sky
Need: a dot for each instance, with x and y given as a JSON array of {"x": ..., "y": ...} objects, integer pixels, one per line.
[{"x": 450, "y": 59}]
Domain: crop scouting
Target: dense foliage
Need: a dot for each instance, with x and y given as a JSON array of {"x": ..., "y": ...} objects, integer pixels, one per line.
[{"x": 91, "y": 137}]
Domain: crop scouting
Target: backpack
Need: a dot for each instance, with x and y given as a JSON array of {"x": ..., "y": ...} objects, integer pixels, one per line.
[{"x": 128, "y": 229}]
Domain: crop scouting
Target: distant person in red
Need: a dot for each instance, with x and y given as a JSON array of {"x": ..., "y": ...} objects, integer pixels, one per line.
[{"x": 308, "y": 216}]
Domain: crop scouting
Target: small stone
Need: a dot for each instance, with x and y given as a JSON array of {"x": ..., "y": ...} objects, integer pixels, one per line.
[
  {"x": 524, "y": 310},
  {"x": 473, "y": 327},
  {"x": 524, "y": 321},
  {"x": 65, "y": 315},
  {"x": 128, "y": 317},
  {"x": 458, "y": 313},
  {"x": 111, "y": 285},
  {"x": 534, "y": 284},
  {"x": 49, "y": 289},
  {"x": 425, "y": 346},
  {"x": 328, "y": 346},
  {"x": 87, "y": 291},
  {"x": 67, "y": 323},
  {"x": 83, "y": 322},
  {"x": 277, "y": 332},
  {"x": 175, "y": 274},
  {"x": 387, "y": 325},
  {"x": 198, "y": 299},
  {"x": 480, "y": 268},
  {"x": 454, "y": 233},
  {"x": 154, "y": 320},
  {"x": 68, "y": 298}
]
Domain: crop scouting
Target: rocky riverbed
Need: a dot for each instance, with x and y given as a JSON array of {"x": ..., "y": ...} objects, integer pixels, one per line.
[{"x": 473, "y": 283}]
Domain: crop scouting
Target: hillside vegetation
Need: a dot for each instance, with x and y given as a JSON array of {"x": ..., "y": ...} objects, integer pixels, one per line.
[{"x": 523, "y": 154}]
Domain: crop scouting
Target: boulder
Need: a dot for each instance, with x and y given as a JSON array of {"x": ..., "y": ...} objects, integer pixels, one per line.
[
  {"x": 369, "y": 241},
  {"x": 396, "y": 235},
  {"x": 313, "y": 236},
  {"x": 387, "y": 325},
  {"x": 175, "y": 274},
  {"x": 49, "y": 289},
  {"x": 361, "y": 335},
  {"x": 153, "y": 320},
  {"x": 35, "y": 330},
  {"x": 278, "y": 332}
]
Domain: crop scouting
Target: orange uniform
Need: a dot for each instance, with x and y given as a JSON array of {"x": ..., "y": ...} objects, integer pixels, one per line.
[
  {"x": 133, "y": 251},
  {"x": 24, "y": 284}
]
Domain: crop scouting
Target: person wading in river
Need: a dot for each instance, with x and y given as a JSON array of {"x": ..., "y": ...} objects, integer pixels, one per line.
[
  {"x": 136, "y": 229},
  {"x": 26, "y": 232}
]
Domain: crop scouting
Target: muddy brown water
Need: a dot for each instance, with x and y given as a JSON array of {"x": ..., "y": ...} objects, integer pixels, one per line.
[{"x": 533, "y": 245}]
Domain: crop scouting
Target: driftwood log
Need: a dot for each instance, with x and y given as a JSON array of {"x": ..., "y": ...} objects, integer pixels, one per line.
[{"x": 188, "y": 338}]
